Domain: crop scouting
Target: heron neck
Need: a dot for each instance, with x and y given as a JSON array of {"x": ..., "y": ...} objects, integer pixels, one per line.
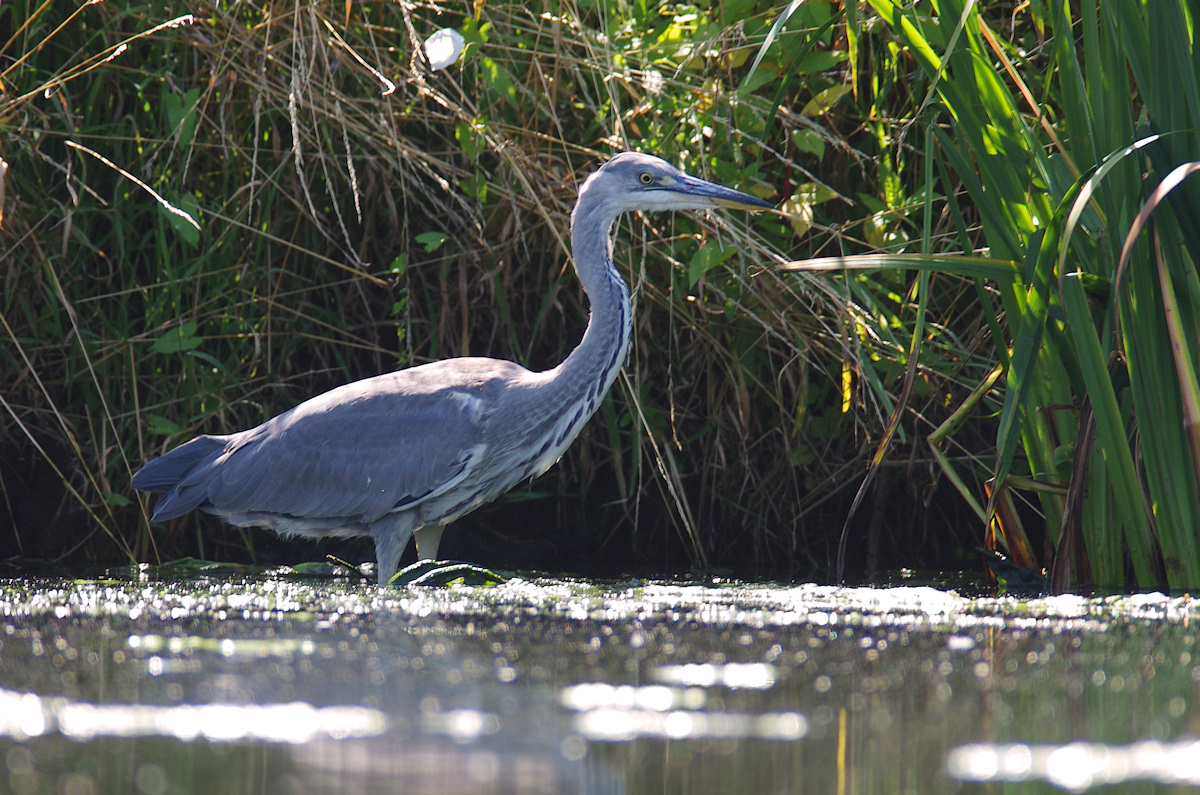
[{"x": 590, "y": 369}]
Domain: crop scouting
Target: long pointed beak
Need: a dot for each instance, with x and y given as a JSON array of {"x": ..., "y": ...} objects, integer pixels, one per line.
[{"x": 720, "y": 196}]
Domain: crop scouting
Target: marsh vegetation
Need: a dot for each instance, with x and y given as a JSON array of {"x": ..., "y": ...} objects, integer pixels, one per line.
[{"x": 1006, "y": 329}]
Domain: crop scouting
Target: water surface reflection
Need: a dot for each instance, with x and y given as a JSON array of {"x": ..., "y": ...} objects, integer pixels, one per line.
[{"x": 276, "y": 684}]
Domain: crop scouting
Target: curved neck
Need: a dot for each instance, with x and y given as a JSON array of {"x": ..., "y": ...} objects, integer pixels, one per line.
[{"x": 587, "y": 373}]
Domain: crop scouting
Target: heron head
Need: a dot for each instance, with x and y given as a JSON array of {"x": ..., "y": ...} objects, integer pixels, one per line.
[{"x": 636, "y": 181}]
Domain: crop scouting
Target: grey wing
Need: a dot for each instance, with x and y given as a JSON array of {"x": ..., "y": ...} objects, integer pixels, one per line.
[{"x": 357, "y": 459}]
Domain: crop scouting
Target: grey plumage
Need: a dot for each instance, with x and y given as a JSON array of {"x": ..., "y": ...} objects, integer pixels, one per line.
[{"x": 411, "y": 451}]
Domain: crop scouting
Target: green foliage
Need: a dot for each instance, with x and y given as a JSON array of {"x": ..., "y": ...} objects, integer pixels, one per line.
[
  {"x": 432, "y": 241},
  {"x": 313, "y": 205},
  {"x": 1098, "y": 348},
  {"x": 178, "y": 339}
]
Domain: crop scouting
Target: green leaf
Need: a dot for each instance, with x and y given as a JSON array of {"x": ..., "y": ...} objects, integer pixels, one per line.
[
  {"x": 432, "y": 241},
  {"x": 821, "y": 61},
  {"x": 497, "y": 78},
  {"x": 475, "y": 33},
  {"x": 710, "y": 255},
  {"x": 184, "y": 226},
  {"x": 733, "y": 12},
  {"x": 161, "y": 426},
  {"x": 181, "y": 114},
  {"x": 1111, "y": 437},
  {"x": 117, "y": 500},
  {"x": 469, "y": 137},
  {"x": 799, "y": 206},
  {"x": 773, "y": 34},
  {"x": 181, "y": 338},
  {"x": 809, "y": 141},
  {"x": 825, "y": 100},
  {"x": 760, "y": 78},
  {"x": 475, "y": 186}
]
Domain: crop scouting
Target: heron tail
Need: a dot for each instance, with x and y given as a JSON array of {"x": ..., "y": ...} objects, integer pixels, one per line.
[{"x": 166, "y": 474}]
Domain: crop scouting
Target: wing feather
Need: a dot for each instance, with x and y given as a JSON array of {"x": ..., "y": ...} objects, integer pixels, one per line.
[{"x": 359, "y": 451}]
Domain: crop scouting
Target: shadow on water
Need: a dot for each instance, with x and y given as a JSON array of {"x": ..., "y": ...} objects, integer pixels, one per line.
[{"x": 268, "y": 684}]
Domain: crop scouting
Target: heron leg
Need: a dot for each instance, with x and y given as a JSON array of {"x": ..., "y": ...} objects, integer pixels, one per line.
[
  {"x": 391, "y": 536},
  {"x": 429, "y": 538}
]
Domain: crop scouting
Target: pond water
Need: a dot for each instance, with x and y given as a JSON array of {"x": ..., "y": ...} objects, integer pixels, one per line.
[{"x": 226, "y": 683}]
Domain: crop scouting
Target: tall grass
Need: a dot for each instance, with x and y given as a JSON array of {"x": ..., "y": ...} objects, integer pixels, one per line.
[
  {"x": 355, "y": 211},
  {"x": 1072, "y": 146}
]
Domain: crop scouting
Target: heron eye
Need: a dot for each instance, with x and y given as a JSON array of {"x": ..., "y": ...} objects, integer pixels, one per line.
[{"x": 646, "y": 177}]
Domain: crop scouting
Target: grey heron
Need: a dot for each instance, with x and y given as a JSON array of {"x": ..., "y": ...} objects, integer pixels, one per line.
[{"x": 406, "y": 453}]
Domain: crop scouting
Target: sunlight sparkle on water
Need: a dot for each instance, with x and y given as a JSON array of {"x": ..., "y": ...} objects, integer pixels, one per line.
[
  {"x": 622, "y": 713},
  {"x": 753, "y": 676},
  {"x": 1078, "y": 766},
  {"x": 617, "y": 725},
  {"x": 28, "y": 715}
]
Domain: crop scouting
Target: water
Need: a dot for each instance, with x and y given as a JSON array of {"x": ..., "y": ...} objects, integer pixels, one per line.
[{"x": 261, "y": 684}]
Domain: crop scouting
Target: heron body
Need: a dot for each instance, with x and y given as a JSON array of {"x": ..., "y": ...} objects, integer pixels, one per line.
[{"x": 406, "y": 453}]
